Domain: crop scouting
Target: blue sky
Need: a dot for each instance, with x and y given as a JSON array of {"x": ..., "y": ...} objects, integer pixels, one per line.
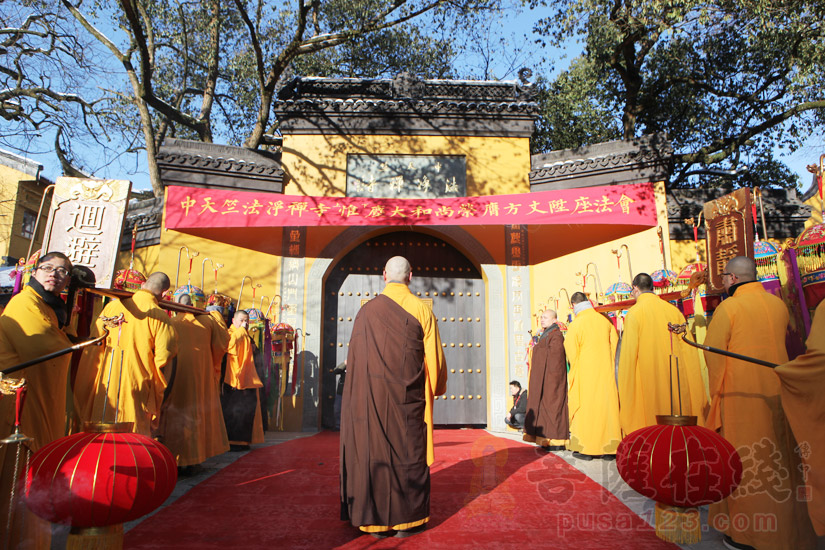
[{"x": 513, "y": 27}]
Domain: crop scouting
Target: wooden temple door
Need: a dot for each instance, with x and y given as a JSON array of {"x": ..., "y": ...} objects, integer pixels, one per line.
[{"x": 444, "y": 279}]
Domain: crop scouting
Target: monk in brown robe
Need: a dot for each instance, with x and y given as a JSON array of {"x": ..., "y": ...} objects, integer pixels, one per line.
[
  {"x": 395, "y": 367},
  {"x": 546, "y": 422}
]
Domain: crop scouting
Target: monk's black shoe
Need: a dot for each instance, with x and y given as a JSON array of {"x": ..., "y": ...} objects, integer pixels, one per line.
[
  {"x": 238, "y": 448},
  {"x": 404, "y": 533},
  {"x": 733, "y": 545},
  {"x": 609, "y": 457},
  {"x": 550, "y": 448},
  {"x": 382, "y": 534},
  {"x": 580, "y": 456}
]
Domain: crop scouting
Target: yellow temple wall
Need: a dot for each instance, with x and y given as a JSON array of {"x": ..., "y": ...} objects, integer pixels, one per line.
[
  {"x": 316, "y": 165},
  {"x": 18, "y": 192},
  {"x": 547, "y": 278},
  {"x": 683, "y": 253}
]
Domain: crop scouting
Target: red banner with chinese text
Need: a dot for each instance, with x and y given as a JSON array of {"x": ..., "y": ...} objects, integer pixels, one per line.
[{"x": 192, "y": 207}]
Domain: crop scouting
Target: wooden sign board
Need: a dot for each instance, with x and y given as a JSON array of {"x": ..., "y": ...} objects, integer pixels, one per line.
[
  {"x": 729, "y": 233},
  {"x": 86, "y": 221}
]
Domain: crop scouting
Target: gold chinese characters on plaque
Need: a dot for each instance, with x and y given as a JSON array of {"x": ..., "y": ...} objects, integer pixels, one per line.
[
  {"x": 86, "y": 222},
  {"x": 729, "y": 233}
]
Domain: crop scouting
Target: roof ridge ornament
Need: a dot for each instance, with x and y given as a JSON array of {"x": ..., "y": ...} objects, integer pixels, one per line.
[{"x": 408, "y": 86}]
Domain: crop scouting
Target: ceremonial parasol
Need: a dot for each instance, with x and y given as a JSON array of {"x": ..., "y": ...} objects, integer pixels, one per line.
[
  {"x": 269, "y": 313},
  {"x": 620, "y": 291},
  {"x": 688, "y": 271},
  {"x": 195, "y": 293},
  {"x": 569, "y": 305},
  {"x": 283, "y": 336},
  {"x": 595, "y": 274},
  {"x": 766, "y": 256},
  {"x": 663, "y": 278},
  {"x": 130, "y": 279},
  {"x": 810, "y": 256},
  {"x": 683, "y": 279},
  {"x": 216, "y": 298}
]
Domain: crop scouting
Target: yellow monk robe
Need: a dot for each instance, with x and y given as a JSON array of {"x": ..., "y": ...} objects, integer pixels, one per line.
[
  {"x": 433, "y": 355},
  {"x": 135, "y": 353},
  {"x": 29, "y": 329},
  {"x": 645, "y": 362},
  {"x": 213, "y": 429},
  {"x": 82, "y": 394},
  {"x": 803, "y": 388},
  {"x": 746, "y": 409},
  {"x": 183, "y": 421},
  {"x": 241, "y": 375},
  {"x": 593, "y": 400}
]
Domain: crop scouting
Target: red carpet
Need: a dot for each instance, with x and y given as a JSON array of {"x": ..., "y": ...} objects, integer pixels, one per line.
[{"x": 487, "y": 492}]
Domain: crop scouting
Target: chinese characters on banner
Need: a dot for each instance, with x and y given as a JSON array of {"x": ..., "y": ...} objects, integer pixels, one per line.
[
  {"x": 292, "y": 293},
  {"x": 518, "y": 299},
  {"x": 515, "y": 241},
  {"x": 86, "y": 222},
  {"x": 190, "y": 207},
  {"x": 406, "y": 176},
  {"x": 729, "y": 233},
  {"x": 294, "y": 242}
]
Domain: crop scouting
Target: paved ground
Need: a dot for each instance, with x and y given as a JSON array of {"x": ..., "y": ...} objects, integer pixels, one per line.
[{"x": 603, "y": 472}]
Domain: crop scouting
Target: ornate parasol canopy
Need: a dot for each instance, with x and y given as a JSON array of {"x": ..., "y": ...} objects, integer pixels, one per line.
[
  {"x": 663, "y": 278},
  {"x": 618, "y": 291},
  {"x": 128, "y": 279},
  {"x": 766, "y": 256},
  {"x": 810, "y": 256},
  {"x": 196, "y": 294},
  {"x": 684, "y": 275}
]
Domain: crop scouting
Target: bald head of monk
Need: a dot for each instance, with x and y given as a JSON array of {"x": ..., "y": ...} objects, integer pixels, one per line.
[
  {"x": 240, "y": 319},
  {"x": 739, "y": 269},
  {"x": 398, "y": 270},
  {"x": 548, "y": 317},
  {"x": 157, "y": 283},
  {"x": 641, "y": 283}
]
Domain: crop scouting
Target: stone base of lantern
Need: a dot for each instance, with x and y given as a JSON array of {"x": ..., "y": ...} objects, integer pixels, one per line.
[
  {"x": 96, "y": 538},
  {"x": 678, "y": 525}
]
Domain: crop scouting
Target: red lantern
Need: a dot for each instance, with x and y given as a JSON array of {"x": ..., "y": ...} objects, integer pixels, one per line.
[
  {"x": 102, "y": 477},
  {"x": 681, "y": 466}
]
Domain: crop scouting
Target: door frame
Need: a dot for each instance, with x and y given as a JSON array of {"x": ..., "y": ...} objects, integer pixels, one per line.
[{"x": 491, "y": 274}]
